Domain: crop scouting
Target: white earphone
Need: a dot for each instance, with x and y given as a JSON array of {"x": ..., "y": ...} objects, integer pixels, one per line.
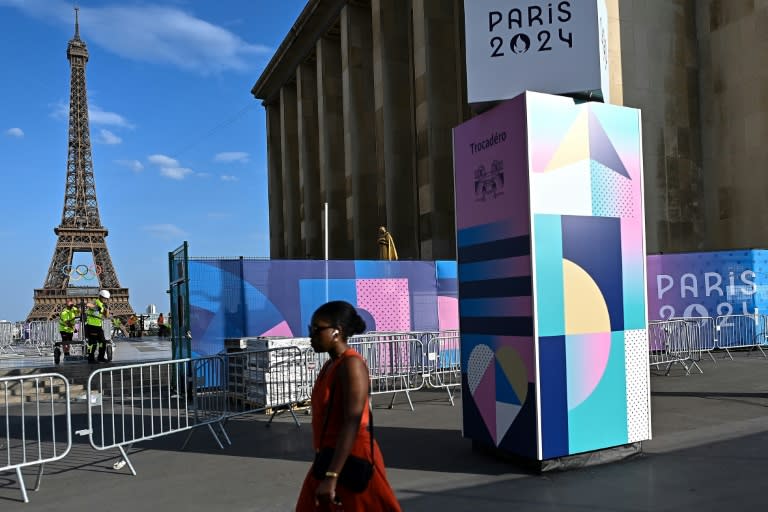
[{"x": 335, "y": 333}]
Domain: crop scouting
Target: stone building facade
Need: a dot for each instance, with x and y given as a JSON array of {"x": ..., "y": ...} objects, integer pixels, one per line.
[{"x": 361, "y": 97}]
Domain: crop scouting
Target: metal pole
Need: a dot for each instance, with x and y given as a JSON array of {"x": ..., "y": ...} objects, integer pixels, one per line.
[
  {"x": 325, "y": 209},
  {"x": 325, "y": 221}
]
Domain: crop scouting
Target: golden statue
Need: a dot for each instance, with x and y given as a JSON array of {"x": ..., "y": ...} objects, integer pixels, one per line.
[{"x": 387, "y": 250}]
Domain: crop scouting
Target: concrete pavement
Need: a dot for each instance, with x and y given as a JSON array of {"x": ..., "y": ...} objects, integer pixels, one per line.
[
  {"x": 709, "y": 450},
  {"x": 133, "y": 350}
]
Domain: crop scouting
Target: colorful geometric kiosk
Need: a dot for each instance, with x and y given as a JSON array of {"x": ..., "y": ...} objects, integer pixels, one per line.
[{"x": 551, "y": 269}]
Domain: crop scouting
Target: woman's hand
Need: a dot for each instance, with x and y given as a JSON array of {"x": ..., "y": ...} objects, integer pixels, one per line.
[{"x": 326, "y": 492}]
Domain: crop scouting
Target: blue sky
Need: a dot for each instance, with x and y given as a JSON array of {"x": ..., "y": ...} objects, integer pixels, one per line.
[{"x": 179, "y": 148}]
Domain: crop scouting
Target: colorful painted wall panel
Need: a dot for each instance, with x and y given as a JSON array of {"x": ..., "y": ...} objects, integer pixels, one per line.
[
  {"x": 551, "y": 250},
  {"x": 247, "y": 297},
  {"x": 707, "y": 284}
]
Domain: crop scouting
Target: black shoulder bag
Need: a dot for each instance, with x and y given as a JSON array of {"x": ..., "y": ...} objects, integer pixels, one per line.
[{"x": 357, "y": 472}]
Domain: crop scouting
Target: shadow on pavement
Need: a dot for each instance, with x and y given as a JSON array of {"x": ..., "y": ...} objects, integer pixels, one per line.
[{"x": 721, "y": 475}]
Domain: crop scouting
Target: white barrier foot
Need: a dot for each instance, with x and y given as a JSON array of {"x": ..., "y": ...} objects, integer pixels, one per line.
[
  {"x": 22, "y": 486},
  {"x": 126, "y": 460}
]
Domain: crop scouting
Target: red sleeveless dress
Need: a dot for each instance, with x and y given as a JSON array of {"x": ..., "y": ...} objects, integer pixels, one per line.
[{"x": 378, "y": 497}]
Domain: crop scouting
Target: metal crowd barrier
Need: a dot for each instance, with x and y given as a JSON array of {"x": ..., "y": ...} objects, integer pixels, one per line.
[
  {"x": 35, "y": 427},
  {"x": 685, "y": 340},
  {"x": 701, "y": 335},
  {"x": 6, "y": 337},
  {"x": 43, "y": 334},
  {"x": 740, "y": 331},
  {"x": 670, "y": 342},
  {"x": 313, "y": 363},
  {"x": 107, "y": 328},
  {"x": 18, "y": 330},
  {"x": 395, "y": 363},
  {"x": 444, "y": 362},
  {"x": 134, "y": 403},
  {"x": 442, "y": 379}
]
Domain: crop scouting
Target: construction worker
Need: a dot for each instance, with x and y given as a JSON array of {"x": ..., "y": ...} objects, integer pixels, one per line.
[
  {"x": 161, "y": 326},
  {"x": 132, "y": 326},
  {"x": 94, "y": 331},
  {"x": 118, "y": 329},
  {"x": 67, "y": 318}
]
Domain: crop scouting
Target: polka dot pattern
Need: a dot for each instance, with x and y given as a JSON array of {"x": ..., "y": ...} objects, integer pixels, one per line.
[
  {"x": 388, "y": 301},
  {"x": 611, "y": 192},
  {"x": 480, "y": 359},
  {"x": 638, "y": 385}
]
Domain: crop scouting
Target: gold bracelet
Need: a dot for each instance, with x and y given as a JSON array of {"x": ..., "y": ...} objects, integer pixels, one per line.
[{"x": 331, "y": 474}]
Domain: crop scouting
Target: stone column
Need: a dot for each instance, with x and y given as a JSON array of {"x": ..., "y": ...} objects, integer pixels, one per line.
[
  {"x": 395, "y": 131},
  {"x": 732, "y": 51},
  {"x": 659, "y": 68},
  {"x": 309, "y": 172},
  {"x": 438, "y": 109},
  {"x": 614, "y": 52},
  {"x": 364, "y": 200},
  {"x": 275, "y": 182},
  {"x": 331, "y": 146},
  {"x": 290, "y": 164}
]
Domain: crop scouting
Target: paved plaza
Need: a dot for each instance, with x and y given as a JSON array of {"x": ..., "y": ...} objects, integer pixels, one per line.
[
  {"x": 137, "y": 350},
  {"x": 709, "y": 451}
]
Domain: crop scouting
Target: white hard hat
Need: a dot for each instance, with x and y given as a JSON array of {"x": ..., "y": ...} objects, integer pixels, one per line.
[{"x": 104, "y": 293}]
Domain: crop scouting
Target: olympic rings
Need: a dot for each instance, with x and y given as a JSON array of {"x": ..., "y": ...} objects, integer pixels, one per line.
[{"x": 89, "y": 273}]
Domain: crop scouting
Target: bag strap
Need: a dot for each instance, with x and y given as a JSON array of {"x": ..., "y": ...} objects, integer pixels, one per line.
[{"x": 328, "y": 414}]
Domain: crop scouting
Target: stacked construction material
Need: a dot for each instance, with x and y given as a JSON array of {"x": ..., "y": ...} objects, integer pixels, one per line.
[{"x": 269, "y": 372}]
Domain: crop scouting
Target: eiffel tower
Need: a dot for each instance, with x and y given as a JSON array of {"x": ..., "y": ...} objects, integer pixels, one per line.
[{"x": 80, "y": 229}]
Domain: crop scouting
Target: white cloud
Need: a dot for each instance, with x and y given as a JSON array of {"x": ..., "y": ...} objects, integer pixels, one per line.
[
  {"x": 232, "y": 156},
  {"x": 96, "y": 115},
  {"x": 133, "y": 165},
  {"x": 175, "y": 173},
  {"x": 107, "y": 137},
  {"x": 60, "y": 110},
  {"x": 170, "y": 167},
  {"x": 161, "y": 34},
  {"x": 14, "y": 132},
  {"x": 165, "y": 231},
  {"x": 227, "y": 177},
  {"x": 163, "y": 160}
]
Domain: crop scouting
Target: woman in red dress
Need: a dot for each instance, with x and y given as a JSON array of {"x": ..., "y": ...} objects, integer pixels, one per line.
[{"x": 346, "y": 429}]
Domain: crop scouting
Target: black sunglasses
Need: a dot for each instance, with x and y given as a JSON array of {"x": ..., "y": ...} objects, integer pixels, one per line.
[{"x": 317, "y": 329}]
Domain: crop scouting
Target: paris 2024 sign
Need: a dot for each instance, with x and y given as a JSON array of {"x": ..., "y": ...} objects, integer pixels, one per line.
[{"x": 556, "y": 47}]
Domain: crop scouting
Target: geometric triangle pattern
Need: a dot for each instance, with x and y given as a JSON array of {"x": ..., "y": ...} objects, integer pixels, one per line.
[
  {"x": 586, "y": 139},
  {"x": 574, "y": 147},
  {"x": 601, "y": 148},
  {"x": 504, "y": 391},
  {"x": 505, "y": 416},
  {"x": 498, "y": 382}
]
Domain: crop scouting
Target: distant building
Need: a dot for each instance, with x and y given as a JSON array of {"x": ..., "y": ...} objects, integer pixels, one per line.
[
  {"x": 361, "y": 96},
  {"x": 152, "y": 309}
]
